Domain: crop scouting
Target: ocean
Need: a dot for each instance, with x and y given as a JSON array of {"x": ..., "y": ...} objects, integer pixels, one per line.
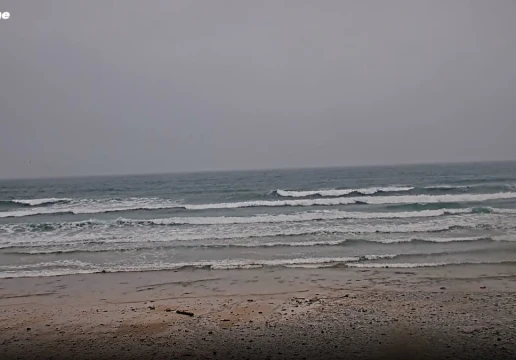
[{"x": 362, "y": 217}]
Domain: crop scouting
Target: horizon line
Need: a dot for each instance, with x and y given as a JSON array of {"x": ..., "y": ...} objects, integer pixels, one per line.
[{"x": 286, "y": 168}]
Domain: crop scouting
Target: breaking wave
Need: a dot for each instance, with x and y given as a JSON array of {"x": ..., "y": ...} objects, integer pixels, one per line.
[
  {"x": 122, "y": 247},
  {"x": 67, "y": 267},
  {"x": 256, "y": 219},
  {"x": 341, "y": 192},
  {"x": 422, "y": 265},
  {"x": 236, "y": 232},
  {"x": 154, "y": 204},
  {"x": 36, "y": 202}
]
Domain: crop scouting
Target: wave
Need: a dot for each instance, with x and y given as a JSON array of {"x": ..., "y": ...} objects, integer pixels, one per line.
[
  {"x": 447, "y": 187},
  {"x": 490, "y": 186},
  {"x": 148, "y": 204},
  {"x": 340, "y": 192},
  {"x": 232, "y": 233},
  {"x": 50, "y": 264},
  {"x": 425, "y": 206},
  {"x": 501, "y": 211},
  {"x": 423, "y": 265},
  {"x": 300, "y": 217},
  {"x": 372, "y": 200},
  {"x": 386, "y": 189},
  {"x": 226, "y": 220},
  {"x": 36, "y": 202},
  {"x": 91, "y": 206},
  {"x": 123, "y": 247},
  {"x": 35, "y": 269},
  {"x": 67, "y": 267}
]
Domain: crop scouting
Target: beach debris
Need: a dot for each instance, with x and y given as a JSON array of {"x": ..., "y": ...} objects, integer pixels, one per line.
[
  {"x": 224, "y": 320},
  {"x": 152, "y": 307},
  {"x": 28, "y": 329},
  {"x": 182, "y": 312},
  {"x": 168, "y": 309},
  {"x": 443, "y": 288}
]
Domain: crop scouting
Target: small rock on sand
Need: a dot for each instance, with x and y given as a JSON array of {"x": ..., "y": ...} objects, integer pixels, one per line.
[{"x": 182, "y": 312}]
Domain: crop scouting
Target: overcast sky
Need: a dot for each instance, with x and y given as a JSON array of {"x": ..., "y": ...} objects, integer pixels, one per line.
[{"x": 116, "y": 87}]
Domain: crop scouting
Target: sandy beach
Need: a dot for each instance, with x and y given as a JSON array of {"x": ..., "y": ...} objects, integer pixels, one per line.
[{"x": 456, "y": 312}]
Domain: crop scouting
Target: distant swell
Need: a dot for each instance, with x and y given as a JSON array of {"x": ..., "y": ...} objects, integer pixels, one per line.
[
  {"x": 448, "y": 187},
  {"x": 341, "y": 192},
  {"x": 464, "y": 188},
  {"x": 36, "y": 202},
  {"x": 86, "y": 206}
]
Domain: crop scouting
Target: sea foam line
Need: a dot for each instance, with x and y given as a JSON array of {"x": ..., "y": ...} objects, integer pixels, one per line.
[
  {"x": 234, "y": 232},
  {"x": 423, "y": 265},
  {"x": 226, "y": 220},
  {"x": 148, "y": 204},
  {"x": 37, "y": 202},
  {"x": 341, "y": 192},
  {"x": 42, "y": 249},
  {"x": 240, "y": 264},
  {"x": 376, "y": 200}
]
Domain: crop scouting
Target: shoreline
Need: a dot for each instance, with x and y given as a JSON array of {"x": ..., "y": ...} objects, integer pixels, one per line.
[
  {"x": 353, "y": 262},
  {"x": 459, "y": 311}
]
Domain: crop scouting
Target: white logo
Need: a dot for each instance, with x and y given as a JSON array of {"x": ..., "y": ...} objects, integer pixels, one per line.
[{"x": 4, "y": 15}]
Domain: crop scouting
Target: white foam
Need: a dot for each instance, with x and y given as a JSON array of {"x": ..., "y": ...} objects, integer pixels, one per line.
[
  {"x": 36, "y": 202},
  {"x": 59, "y": 267},
  {"x": 299, "y": 217},
  {"x": 45, "y": 269},
  {"x": 418, "y": 265},
  {"x": 317, "y": 215},
  {"x": 44, "y": 273},
  {"x": 377, "y": 200},
  {"x": 226, "y": 220},
  {"x": 377, "y": 257},
  {"x": 71, "y": 248},
  {"x": 50, "y": 264},
  {"x": 341, "y": 192},
  {"x": 100, "y": 206},
  {"x": 447, "y": 187},
  {"x": 123, "y": 234},
  {"x": 97, "y": 206},
  {"x": 232, "y": 264},
  {"x": 433, "y": 239},
  {"x": 52, "y": 268},
  {"x": 502, "y": 211}
]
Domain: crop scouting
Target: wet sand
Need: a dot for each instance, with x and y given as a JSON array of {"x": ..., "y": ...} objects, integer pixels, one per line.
[{"x": 455, "y": 312}]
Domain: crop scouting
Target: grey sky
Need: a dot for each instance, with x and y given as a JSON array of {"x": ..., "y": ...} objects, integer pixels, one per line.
[{"x": 101, "y": 87}]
